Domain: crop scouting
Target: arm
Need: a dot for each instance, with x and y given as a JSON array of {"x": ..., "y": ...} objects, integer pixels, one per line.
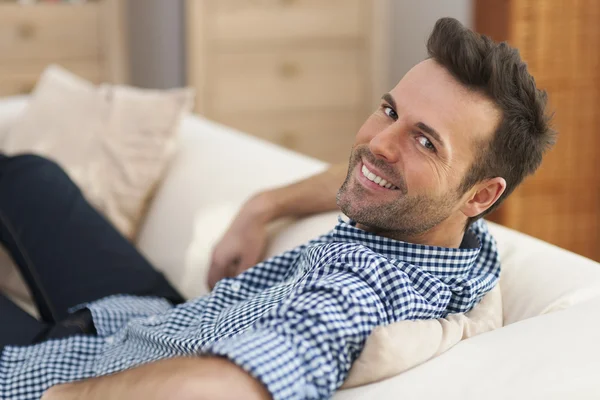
[
  {"x": 304, "y": 349},
  {"x": 188, "y": 378},
  {"x": 245, "y": 241},
  {"x": 309, "y": 196}
]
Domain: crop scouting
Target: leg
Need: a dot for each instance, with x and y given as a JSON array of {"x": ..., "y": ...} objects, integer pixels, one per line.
[
  {"x": 16, "y": 326},
  {"x": 66, "y": 251}
]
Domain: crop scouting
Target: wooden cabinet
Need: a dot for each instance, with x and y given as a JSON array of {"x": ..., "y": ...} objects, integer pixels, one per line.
[
  {"x": 304, "y": 74},
  {"x": 560, "y": 41},
  {"x": 87, "y": 39}
]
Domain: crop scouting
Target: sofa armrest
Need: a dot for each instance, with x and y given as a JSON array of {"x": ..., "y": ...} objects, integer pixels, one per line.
[{"x": 214, "y": 166}]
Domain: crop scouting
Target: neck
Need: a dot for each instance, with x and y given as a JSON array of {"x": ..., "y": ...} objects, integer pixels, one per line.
[{"x": 448, "y": 234}]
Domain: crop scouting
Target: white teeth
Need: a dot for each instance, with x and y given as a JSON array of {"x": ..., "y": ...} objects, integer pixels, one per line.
[{"x": 377, "y": 179}]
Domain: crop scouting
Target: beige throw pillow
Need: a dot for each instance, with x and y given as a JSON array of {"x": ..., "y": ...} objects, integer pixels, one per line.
[
  {"x": 395, "y": 348},
  {"x": 114, "y": 141}
]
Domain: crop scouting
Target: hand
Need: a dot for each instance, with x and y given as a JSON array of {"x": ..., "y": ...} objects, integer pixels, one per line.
[{"x": 244, "y": 243}]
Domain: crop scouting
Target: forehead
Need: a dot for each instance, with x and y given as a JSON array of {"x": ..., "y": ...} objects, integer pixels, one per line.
[{"x": 428, "y": 93}]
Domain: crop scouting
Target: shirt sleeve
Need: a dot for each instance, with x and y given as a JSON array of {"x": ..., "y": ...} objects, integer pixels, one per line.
[{"x": 305, "y": 347}]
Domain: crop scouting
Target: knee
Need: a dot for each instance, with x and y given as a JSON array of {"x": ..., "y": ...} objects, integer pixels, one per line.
[{"x": 26, "y": 166}]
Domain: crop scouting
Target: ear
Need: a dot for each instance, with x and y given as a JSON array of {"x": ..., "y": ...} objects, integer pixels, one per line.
[{"x": 483, "y": 196}]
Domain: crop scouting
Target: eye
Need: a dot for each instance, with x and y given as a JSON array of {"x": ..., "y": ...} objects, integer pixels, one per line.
[
  {"x": 389, "y": 111},
  {"x": 426, "y": 143}
]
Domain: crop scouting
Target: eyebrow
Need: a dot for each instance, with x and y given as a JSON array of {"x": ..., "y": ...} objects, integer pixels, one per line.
[
  {"x": 421, "y": 125},
  {"x": 389, "y": 99},
  {"x": 431, "y": 132}
]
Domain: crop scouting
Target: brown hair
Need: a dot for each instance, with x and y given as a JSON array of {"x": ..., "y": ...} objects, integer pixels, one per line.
[{"x": 496, "y": 69}]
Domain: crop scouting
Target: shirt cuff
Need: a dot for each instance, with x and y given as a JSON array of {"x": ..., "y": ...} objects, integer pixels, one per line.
[{"x": 270, "y": 358}]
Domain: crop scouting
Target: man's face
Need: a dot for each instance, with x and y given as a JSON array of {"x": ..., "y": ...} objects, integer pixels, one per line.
[{"x": 421, "y": 141}]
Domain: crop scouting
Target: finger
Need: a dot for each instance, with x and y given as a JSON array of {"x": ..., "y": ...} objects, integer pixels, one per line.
[
  {"x": 220, "y": 262},
  {"x": 219, "y": 270}
]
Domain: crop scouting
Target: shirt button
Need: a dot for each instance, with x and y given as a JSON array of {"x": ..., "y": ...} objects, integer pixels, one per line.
[
  {"x": 152, "y": 319},
  {"x": 235, "y": 286},
  {"x": 110, "y": 340}
]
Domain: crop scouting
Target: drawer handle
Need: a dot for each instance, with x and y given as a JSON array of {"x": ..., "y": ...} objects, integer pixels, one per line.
[
  {"x": 27, "y": 88},
  {"x": 288, "y": 139},
  {"x": 26, "y": 31},
  {"x": 289, "y": 70}
]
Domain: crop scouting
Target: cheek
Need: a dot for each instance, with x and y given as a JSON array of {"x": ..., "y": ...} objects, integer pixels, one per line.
[{"x": 422, "y": 177}]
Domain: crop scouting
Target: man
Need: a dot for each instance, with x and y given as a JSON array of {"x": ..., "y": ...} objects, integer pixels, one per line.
[{"x": 457, "y": 134}]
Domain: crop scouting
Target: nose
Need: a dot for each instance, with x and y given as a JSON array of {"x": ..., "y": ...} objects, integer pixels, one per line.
[{"x": 385, "y": 145}]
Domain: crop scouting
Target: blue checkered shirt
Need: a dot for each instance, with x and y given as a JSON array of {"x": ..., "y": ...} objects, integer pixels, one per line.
[{"x": 296, "y": 322}]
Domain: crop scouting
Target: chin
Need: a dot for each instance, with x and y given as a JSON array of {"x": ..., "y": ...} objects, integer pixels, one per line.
[{"x": 353, "y": 209}]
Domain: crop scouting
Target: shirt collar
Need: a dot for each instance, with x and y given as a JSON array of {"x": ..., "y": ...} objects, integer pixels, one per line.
[{"x": 432, "y": 259}]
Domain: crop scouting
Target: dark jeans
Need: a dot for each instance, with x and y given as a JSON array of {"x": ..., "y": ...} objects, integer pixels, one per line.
[{"x": 67, "y": 253}]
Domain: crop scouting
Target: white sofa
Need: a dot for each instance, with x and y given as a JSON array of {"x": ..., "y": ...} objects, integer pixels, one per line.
[{"x": 548, "y": 349}]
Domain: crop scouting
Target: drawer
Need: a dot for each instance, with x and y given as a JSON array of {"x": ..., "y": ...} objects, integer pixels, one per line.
[
  {"x": 260, "y": 20},
  {"x": 286, "y": 80},
  {"x": 21, "y": 79},
  {"x": 326, "y": 135},
  {"x": 50, "y": 32}
]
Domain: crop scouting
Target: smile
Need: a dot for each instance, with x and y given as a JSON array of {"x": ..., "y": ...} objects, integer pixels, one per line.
[{"x": 377, "y": 179}]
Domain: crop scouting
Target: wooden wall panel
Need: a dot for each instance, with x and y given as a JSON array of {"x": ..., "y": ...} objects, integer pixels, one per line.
[{"x": 560, "y": 41}]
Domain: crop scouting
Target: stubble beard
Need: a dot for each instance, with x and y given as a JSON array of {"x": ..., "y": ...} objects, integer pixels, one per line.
[{"x": 405, "y": 216}]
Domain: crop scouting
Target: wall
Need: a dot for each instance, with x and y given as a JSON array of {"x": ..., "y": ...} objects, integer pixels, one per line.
[
  {"x": 157, "y": 34},
  {"x": 156, "y": 41},
  {"x": 412, "y": 24}
]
